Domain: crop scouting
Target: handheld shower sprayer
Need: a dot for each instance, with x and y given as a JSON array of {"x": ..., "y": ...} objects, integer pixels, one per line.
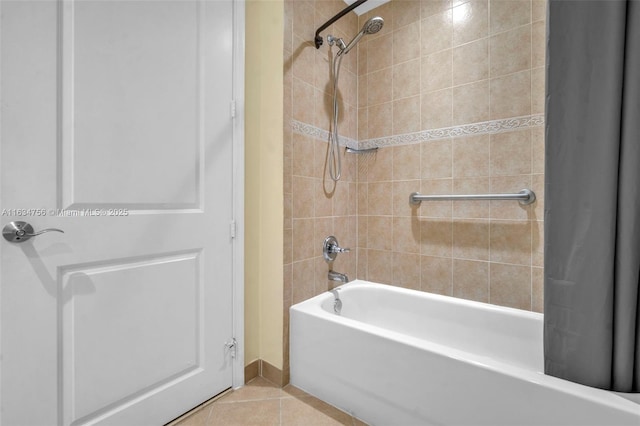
[{"x": 372, "y": 26}]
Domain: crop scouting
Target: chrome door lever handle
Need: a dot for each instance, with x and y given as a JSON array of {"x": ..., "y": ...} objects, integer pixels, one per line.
[
  {"x": 18, "y": 231},
  {"x": 44, "y": 231}
]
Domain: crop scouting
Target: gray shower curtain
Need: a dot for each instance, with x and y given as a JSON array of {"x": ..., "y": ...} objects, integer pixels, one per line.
[{"x": 592, "y": 203}]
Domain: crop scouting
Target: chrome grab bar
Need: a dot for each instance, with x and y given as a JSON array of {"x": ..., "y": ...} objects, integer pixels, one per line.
[{"x": 525, "y": 197}]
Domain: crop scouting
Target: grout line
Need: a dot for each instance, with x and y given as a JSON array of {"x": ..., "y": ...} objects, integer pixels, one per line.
[
  {"x": 531, "y": 62},
  {"x": 452, "y": 120},
  {"x": 531, "y": 95},
  {"x": 393, "y": 126},
  {"x": 490, "y": 157},
  {"x": 531, "y": 207},
  {"x": 451, "y": 144},
  {"x": 489, "y": 35},
  {"x": 209, "y": 415}
]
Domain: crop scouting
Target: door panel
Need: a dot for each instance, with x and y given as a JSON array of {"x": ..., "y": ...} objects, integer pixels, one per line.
[
  {"x": 116, "y": 129},
  {"x": 100, "y": 373},
  {"x": 140, "y": 90}
]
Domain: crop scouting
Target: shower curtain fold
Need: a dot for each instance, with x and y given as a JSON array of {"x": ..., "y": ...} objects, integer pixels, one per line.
[{"x": 592, "y": 203}]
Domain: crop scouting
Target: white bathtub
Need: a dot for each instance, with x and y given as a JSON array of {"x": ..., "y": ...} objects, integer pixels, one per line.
[{"x": 403, "y": 357}]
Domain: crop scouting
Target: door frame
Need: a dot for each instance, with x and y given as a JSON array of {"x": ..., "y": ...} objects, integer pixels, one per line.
[{"x": 238, "y": 189}]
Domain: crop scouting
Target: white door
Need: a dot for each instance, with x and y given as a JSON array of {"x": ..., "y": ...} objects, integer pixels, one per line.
[{"x": 118, "y": 110}]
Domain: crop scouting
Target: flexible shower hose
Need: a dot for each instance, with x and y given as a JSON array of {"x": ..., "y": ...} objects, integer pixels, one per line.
[{"x": 335, "y": 163}]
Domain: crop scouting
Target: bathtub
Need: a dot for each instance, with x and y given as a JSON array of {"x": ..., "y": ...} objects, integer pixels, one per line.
[{"x": 402, "y": 357}]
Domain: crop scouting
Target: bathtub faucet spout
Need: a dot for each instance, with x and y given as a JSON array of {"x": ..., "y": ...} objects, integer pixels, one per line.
[{"x": 337, "y": 276}]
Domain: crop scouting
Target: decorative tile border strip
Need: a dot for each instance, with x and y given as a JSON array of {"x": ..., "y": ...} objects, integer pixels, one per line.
[
  {"x": 321, "y": 134},
  {"x": 482, "y": 128}
]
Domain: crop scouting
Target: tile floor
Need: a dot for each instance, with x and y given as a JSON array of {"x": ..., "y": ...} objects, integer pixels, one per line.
[{"x": 262, "y": 403}]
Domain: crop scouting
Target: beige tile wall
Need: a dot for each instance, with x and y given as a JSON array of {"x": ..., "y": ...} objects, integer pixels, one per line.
[
  {"x": 438, "y": 63},
  {"x": 441, "y": 63},
  {"x": 435, "y": 63},
  {"x": 315, "y": 207}
]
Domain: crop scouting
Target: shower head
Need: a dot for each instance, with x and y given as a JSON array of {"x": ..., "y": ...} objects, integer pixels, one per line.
[{"x": 372, "y": 26}]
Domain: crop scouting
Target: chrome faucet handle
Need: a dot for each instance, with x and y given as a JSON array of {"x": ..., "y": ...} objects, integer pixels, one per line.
[
  {"x": 18, "y": 231},
  {"x": 336, "y": 249},
  {"x": 331, "y": 248}
]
